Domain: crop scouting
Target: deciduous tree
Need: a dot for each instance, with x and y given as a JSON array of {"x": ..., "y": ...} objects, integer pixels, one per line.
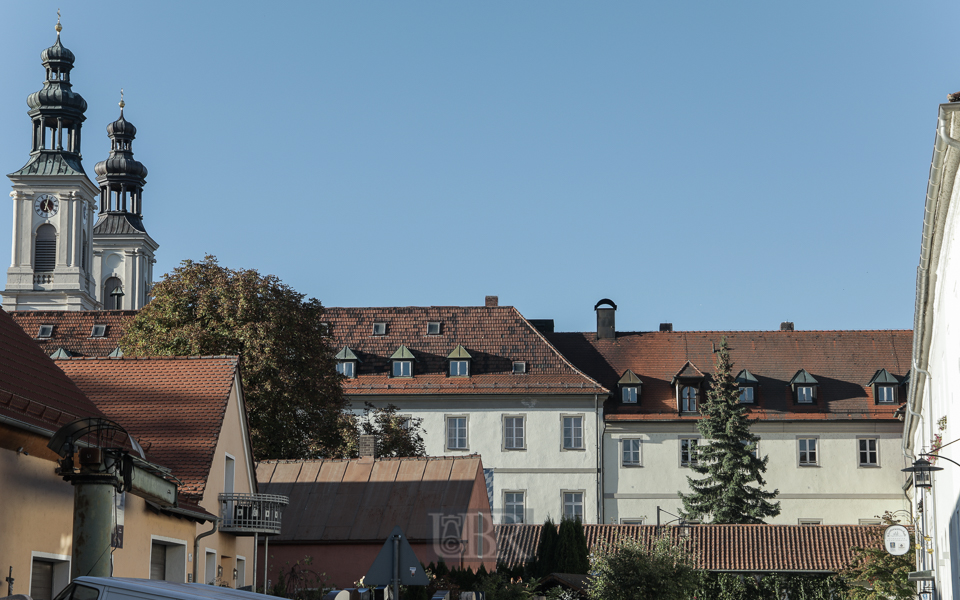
[{"x": 629, "y": 570}]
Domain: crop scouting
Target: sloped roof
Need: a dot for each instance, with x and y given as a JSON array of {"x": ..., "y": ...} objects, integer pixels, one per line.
[
  {"x": 33, "y": 390},
  {"x": 494, "y": 337},
  {"x": 362, "y": 501},
  {"x": 173, "y": 406},
  {"x": 52, "y": 162},
  {"x": 841, "y": 361},
  {"x": 72, "y": 329},
  {"x": 823, "y": 548}
]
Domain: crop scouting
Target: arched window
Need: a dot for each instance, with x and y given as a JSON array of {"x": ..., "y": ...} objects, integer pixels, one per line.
[
  {"x": 112, "y": 301},
  {"x": 45, "y": 255}
]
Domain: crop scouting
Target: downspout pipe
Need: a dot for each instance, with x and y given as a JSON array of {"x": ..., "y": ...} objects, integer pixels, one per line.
[{"x": 196, "y": 548}]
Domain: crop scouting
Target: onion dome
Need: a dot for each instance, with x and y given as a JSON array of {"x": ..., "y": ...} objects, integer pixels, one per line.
[
  {"x": 57, "y": 53},
  {"x": 57, "y": 99},
  {"x": 121, "y": 128},
  {"x": 120, "y": 163}
]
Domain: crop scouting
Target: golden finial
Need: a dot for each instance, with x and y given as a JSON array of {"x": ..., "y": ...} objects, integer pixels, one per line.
[
  {"x": 122, "y": 103},
  {"x": 59, "y": 28}
]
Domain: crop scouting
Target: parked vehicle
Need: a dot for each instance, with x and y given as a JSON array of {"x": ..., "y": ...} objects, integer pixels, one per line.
[{"x": 123, "y": 588}]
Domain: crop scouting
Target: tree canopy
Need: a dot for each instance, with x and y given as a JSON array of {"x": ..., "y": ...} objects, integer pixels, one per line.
[
  {"x": 629, "y": 570},
  {"x": 732, "y": 490},
  {"x": 293, "y": 394}
]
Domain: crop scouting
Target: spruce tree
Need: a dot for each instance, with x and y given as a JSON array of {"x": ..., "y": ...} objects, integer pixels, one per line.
[
  {"x": 572, "y": 555},
  {"x": 732, "y": 491},
  {"x": 547, "y": 549}
]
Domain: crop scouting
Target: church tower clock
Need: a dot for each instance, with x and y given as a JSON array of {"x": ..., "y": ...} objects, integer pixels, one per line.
[
  {"x": 122, "y": 248},
  {"x": 53, "y": 201}
]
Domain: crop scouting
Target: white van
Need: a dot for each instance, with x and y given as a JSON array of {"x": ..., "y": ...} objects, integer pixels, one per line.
[{"x": 123, "y": 588}]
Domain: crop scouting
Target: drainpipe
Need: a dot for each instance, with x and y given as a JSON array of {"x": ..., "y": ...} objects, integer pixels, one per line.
[
  {"x": 599, "y": 421},
  {"x": 196, "y": 548}
]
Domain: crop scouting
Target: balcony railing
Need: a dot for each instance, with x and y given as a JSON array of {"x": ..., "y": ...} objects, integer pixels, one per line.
[
  {"x": 42, "y": 278},
  {"x": 247, "y": 514}
]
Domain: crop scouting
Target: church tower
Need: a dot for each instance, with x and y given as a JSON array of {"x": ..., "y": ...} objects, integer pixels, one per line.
[
  {"x": 122, "y": 248},
  {"x": 53, "y": 201}
]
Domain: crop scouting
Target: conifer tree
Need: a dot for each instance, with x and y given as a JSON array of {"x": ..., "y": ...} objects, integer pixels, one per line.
[
  {"x": 732, "y": 491},
  {"x": 571, "y": 549},
  {"x": 547, "y": 549}
]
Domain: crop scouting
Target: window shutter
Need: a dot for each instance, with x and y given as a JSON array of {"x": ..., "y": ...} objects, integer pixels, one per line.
[{"x": 45, "y": 260}]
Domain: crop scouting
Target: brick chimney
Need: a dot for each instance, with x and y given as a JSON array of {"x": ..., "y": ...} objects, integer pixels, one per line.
[
  {"x": 368, "y": 448},
  {"x": 491, "y": 301}
]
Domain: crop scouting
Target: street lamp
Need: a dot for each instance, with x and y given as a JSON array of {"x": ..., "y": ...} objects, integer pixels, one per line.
[
  {"x": 922, "y": 472},
  {"x": 684, "y": 525}
]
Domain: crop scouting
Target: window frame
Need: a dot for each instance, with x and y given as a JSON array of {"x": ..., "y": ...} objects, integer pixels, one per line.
[
  {"x": 342, "y": 368},
  {"x": 97, "y": 327},
  {"x": 583, "y": 503},
  {"x": 690, "y": 459},
  {"x": 563, "y": 433},
  {"x": 399, "y": 363},
  {"x": 446, "y": 432},
  {"x": 523, "y": 508},
  {"x": 893, "y": 393},
  {"x": 748, "y": 390},
  {"x": 808, "y": 521},
  {"x": 523, "y": 433},
  {"x": 45, "y": 328},
  {"x": 434, "y": 325},
  {"x": 623, "y": 451},
  {"x": 812, "y": 398},
  {"x": 627, "y": 521},
  {"x": 816, "y": 451},
  {"x": 875, "y": 451},
  {"x": 523, "y": 367},
  {"x": 465, "y": 363},
  {"x": 379, "y": 328},
  {"x": 630, "y": 390},
  {"x": 684, "y": 400}
]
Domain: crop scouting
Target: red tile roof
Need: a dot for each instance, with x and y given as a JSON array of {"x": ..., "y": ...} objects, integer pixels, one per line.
[
  {"x": 173, "y": 406},
  {"x": 494, "y": 336},
  {"x": 842, "y": 362},
  {"x": 72, "y": 329},
  {"x": 354, "y": 500},
  {"x": 33, "y": 391},
  {"x": 824, "y": 548}
]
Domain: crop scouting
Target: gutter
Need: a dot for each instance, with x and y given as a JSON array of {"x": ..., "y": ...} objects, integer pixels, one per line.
[{"x": 196, "y": 548}]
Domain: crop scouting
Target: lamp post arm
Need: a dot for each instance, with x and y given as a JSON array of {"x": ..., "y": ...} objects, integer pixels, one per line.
[{"x": 937, "y": 456}]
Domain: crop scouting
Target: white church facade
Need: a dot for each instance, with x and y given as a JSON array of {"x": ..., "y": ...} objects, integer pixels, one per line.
[{"x": 77, "y": 245}]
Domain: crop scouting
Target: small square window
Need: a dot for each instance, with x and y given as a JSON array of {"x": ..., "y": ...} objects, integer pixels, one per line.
[
  {"x": 808, "y": 452},
  {"x": 746, "y": 395},
  {"x": 573, "y": 433},
  {"x": 456, "y": 433},
  {"x": 98, "y": 331},
  {"x": 459, "y": 368},
  {"x": 347, "y": 368},
  {"x": 630, "y": 453},
  {"x": 805, "y": 394},
  {"x": 519, "y": 367},
  {"x": 688, "y": 451},
  {"x": 513, "y": 508},
  {"x": 379, "y": 329},
  {"x": 433, "y": 328},
  {"x": 868, "y": 452},
  {"x": 402, "y": 368},
  {"x": 46, "y": 331},
  {"x": 886, "y": 394},
  {"x": 629, "y": 394},
  {"x": 513, "y": 433}
]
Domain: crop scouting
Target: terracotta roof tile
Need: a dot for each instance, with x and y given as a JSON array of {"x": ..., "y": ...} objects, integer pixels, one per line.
[
  {"x": 72, "y": 330},
  {"x": 33, "y": 390},
  {"x": 842, "y": 362},
  {"x": 494, "y": 337},
  {"x": 173, "y": 406},
  {"x": 722, "y": 547}
]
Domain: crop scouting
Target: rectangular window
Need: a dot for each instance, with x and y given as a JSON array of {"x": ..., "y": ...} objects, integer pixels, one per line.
[
  {"x": 868, "y": 452},
  {"x": 519, "y": 367},
  {"x": 688, "y": 399},
  {"x": 809, "y": 521},
  {"x": 459, "y": 368},
  {"x": 631, "y": 453},
  {"x": 512, "y": 508},
  {"x": 402, "y": 368},
  {"x": 688, "y": 451},
  {"x": 886, "y": 394},
  {"x": 456, "y": 433},
  {"x": 746, "y": 395},
  {"x": 808, "y": 452},
  {"x": 45, "y": 332},
  {"x": 98, "y": 331},
  {"x": 573, "y": 433},
  {"x": 805, "y": 394},
  {"x": 513, "y": 434},
  {"x": 573, "y": 505},
  {"x": 346, "y": 368},
  {"x": 433, "y": 328},
  {"x": 379, "y": 329},
  {"x": 756, "y": 447},
  {"x": 870, "y": 522},
  {"x": 631, "y": 521},
  {"x": 629, "y": 395}
]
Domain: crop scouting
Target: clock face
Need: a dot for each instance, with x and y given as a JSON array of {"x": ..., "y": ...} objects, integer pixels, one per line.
[{"x": 46, "y": 205}]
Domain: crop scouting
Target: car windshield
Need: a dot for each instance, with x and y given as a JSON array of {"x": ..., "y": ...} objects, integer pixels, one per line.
[{"x": 75, "y": 591}]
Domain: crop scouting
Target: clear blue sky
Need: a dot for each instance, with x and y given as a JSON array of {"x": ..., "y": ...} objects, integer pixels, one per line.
[{"x": 715, "y": 165}]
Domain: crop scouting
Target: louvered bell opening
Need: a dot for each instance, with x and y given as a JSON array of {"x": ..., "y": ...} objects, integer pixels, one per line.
[{"x": 46, "y": 251}]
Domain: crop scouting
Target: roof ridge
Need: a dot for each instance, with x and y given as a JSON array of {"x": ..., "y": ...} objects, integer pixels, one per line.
[
  {"x": 149, "y": 358},
  {"x": 793, "y": 331},
  {"x": 553, "y": 348}
]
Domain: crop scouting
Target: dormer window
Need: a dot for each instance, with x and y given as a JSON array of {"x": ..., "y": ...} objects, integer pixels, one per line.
[
  {"x": 347, "y": 362},
  {"x": 629, "y": 388},
  {"x": 402, "y": 362},
  {"x": 46, "y": 332},
  {"x": 433, "y": 328},
  {"x": 519, "y": 367},
  {"x": 884, "y": 386},
  {"x": 688, "y": 382},
  {"x": 748, "y": 387},
  {"x": 804, "y": 388},
  {"x": 459, "y": 362},
  {"x": 379, "y": 329},
  {"x": 98, "y": 331}
]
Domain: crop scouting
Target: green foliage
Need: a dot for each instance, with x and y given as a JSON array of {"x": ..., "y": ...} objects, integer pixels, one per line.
[
  {"x": 499, "y": 587},
  {"x": 875, "y": 574},
  {"x": 396, "y": 435},
  {"x": 571, "y": 555},
  {"x": 293, "y": 394},
  {"x": 629, "y": 570},
  {"x": 734, "y": 586},
  {"x": 299, "y": 582},
  {"x": 732, "y": 490},
  {"x": 547, "y": 550}
]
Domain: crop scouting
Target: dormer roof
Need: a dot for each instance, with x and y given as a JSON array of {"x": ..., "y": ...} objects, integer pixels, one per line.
[
  {"x": 402, "y": 353},
  {"x": 689, "y": 371},
  {"x": 459, "y": 353},
  {"x": 630, "y": 378},
  {"x": 884, "y": 377},
  {"x": 803, "y": 378},
  {"x": 346, "y": 354}
]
